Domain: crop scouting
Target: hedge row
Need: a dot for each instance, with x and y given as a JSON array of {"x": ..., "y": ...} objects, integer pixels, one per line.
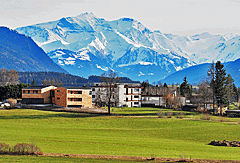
[{"x": 20, "y": 149}]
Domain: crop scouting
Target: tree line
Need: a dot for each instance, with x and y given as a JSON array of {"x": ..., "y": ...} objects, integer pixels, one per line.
[
  {"x": 47, "y": 78},
  {"x": 12, "y": 91}
]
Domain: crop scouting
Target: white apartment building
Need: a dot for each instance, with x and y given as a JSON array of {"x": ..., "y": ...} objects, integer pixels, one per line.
[
  {"x": 132, "y": 96},
  {"x": 127, "y": 95}
]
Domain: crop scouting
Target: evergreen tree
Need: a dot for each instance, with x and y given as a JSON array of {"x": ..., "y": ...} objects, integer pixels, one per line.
[
  {"x": 44, "y": 82},
  {"x": 34, "y": 82},
  {"x": 185, "y": 89},
  {"x": 165, "y": 85},
  {"x": 220, "y": 81},
  {"x": 230, "y": 86}
]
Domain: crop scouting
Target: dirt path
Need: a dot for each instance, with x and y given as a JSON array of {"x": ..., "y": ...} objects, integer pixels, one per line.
[{"x": 137, "y": 158}]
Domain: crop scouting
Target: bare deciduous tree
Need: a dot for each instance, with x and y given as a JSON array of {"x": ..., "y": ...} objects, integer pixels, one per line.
[
  {"x": 205, "y": 93},
  {"x": 8, "y": 77},
  {"x": 110, "y": 91}
]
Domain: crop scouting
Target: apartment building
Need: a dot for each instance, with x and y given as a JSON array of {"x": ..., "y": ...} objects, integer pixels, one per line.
[
  {"x": 132, "y": 96},
  {"x": 73, "y": 96},
  {"x": 127, "y": 95},
  {"x": 38, "y": 94}
]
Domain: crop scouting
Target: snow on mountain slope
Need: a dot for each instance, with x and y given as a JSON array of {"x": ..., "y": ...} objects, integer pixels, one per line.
[
  {"x": 117, "y": 44},
  {"x": 203, "y": 48},
  {"x": 125, "y": 44}
]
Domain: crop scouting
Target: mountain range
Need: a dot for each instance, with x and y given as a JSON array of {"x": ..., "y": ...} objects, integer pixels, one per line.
[{"x": 87, "y": 45}]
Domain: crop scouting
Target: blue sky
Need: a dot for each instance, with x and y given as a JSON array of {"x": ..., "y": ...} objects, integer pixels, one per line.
[{"x": 183, "y": 17}]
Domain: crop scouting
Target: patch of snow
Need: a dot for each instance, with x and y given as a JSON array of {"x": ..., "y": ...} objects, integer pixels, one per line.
[
  {"x": 83, "y": 55},
  {"x": 145, "y": 63},
  {"x": 97, "y": 44},
  {"x": 60, "y": 62},
  {"x": 53, "y": 37},
  {"x": 104, "y": 39},
  {"x": 59, "y": 53},
  {"x": 104, "y": 69},
  {"x": 229, "y": 36},
  {"x": 123, "y": 65},
  {"x": 140, "y": 73},
  {"x": 66, "y": 62},
  {"x": 128, "y": 40},
  {"x": 70, "y": 59},
  {"x": 178, "y": 68}
]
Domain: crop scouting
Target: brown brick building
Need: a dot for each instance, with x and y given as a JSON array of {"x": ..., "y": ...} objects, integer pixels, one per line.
[{"x": 61, "y": 96}]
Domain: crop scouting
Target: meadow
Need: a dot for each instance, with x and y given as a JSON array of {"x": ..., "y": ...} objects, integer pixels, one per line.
[{"x": 130, "y": 132}]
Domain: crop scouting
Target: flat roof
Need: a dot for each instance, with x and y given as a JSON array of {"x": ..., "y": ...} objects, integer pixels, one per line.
[
  {"x": 76, "y": 86},
  {"x": 37, "y": 86}
]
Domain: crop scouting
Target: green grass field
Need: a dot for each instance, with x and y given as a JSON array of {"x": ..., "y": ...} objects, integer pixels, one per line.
[{"x": 141, "y": 135}]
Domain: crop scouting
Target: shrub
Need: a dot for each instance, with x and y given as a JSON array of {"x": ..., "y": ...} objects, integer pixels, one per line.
[
  {"x": 4, "y": 148},
  {"x": 26, "y": 149},
  {"x": 180, "y": 115},
  {"x": 160, "y": 114},
  {"x": 20, "y": 149},
  {"x": 169, "y": 114},
  {"x": 221, "y": 119},
  {"x": 206, "y": 117}
]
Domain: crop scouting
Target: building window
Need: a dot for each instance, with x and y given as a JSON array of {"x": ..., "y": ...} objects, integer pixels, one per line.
[
  {"x": 35, "y": 91},
  {"x": 75, "y": 92},
  {"x": 28, "y": 91},
  {"x": 24, "y": 91},
  {"x": 136, "y": 103},
  {"x": 58, "y": 90},
  {"x": 131, "y": 91},
  {"x": 90, "y": 92},
  {"x": 126, "y": 99},
  {"x": 52, "y": 93},
  {"x": 58, "y": 98},
  {"x": 93, "y": 89},
  {"x": 75, "y": 99},
  {"x": 93, "y": 96},
  {"x": 136, "y": 90},
  {"x": 136, "y": 96}
]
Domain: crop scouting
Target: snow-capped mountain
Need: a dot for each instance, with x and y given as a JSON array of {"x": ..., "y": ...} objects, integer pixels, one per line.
[
  {"x": 203, "y": 48},
  {"x": 87, "y": 45}
]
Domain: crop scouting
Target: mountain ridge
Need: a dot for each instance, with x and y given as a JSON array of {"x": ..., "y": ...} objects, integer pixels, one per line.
[
  {"x": 198, "y": 73},
  {"x": 22, "y": 54},
  {"x": 125, "y": 44}
]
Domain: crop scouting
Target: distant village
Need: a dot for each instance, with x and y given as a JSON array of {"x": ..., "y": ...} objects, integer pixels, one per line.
[{"x": 216, "y": 95}]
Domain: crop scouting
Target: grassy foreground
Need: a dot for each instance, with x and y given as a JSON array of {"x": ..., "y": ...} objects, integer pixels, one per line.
[{"x": 73, "y": 133}]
